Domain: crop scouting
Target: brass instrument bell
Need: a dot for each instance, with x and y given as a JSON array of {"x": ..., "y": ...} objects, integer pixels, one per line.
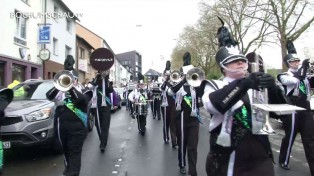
[
  {"x": 175, "y": 76},
  {"x": 195, "y": 76},
  {"x": 64, "y": 80}
]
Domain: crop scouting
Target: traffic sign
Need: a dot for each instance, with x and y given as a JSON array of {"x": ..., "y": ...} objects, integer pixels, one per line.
[
  {"x": 44, "y": 54},
  {"x": 44, "y": 34}
]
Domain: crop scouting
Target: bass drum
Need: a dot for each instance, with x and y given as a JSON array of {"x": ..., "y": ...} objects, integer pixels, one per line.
[{"x": 140, "y": 108}]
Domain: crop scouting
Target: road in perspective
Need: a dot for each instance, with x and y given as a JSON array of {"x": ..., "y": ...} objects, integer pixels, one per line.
[{"x": 130, "y": 154}]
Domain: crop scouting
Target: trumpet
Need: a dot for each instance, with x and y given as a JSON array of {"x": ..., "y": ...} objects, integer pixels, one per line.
[
  {"x": 310, "y": 70},
  {"x": 175, "y": 76},
  {"x": 195, "y": 76},
  {"x": 63, "y": 80}
]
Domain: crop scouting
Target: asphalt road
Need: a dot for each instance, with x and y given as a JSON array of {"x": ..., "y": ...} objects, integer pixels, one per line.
[{"x": 130, "y": 154}]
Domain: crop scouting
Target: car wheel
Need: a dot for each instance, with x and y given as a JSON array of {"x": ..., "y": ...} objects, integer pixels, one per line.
[{"x": 90, "y": 121}]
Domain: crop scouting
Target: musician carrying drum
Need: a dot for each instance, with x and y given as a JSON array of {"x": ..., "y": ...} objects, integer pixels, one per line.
[
  {"x": 155, "y": 95},
  {"x": 139, "y": 99}
]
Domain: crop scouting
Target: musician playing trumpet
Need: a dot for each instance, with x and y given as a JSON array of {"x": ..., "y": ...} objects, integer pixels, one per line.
[
  {"x": 70, "y": 119},
  {"x": 234, "y": 149},
  {"x": 187, "y": 120},
  {"x": 168, "y": 109}
]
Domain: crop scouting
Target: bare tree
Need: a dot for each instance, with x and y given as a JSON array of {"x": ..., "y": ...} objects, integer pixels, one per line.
[
  {"x": 238, "y": 15},
  {"x": 290, "y": 20},
  {"x": 176, "y": 57},
  {"x": 201, "y": 39},
  {"x": 199, "y": 42}
]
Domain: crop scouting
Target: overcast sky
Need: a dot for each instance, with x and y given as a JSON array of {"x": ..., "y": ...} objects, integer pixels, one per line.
[
  {"x": 152, "y": 26},
  {"x": 149, "y": 26}
]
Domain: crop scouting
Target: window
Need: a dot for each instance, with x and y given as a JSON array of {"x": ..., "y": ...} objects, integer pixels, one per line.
[
  {"x": 67, "y": 51},
  {"x": 20, "y": 31},
  {"x": 55, "y": 46},
  {"x": 18, "y": 72},
  {"x": 125, "y": 62},
  {"x": 81, "y": 53},
  {"x": 32, "y": 90},
  {"x": 68, "y": 24},
  {"x": 89, "y": 68}
]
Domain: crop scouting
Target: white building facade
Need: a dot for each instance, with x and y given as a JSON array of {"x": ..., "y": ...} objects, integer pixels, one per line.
[
  {"x": 18, "y": 46},
  {"x": 63, "y": 36}
]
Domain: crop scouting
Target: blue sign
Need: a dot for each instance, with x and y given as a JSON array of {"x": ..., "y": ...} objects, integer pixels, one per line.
[{"x": 44, "y": 34}]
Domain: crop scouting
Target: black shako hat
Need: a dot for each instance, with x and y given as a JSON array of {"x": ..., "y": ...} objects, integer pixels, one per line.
[
  {"x": 292, "y": 53},
  {"x": 140, "y": 78},
  {"x": 69, "y": 62},
  {"x": 229, "y": 50},
  {"x": 186, "y": 59}
]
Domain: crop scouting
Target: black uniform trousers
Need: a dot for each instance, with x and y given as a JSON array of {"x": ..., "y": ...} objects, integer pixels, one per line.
[
  {"x": 141, "y": 123},
  {"x": 130, "y": 107},
  {"x": 187, "y": 135},
  {"x": 156, "y": 108},
  {"x": 169, "y": 119},
  {"x": 302, "y": 123},
  {"x": 130, "y": 104},
  {"x": 71, "y": 133},
  {"x": 102, "y": 123},
  {"x": 250, "y": 158}
]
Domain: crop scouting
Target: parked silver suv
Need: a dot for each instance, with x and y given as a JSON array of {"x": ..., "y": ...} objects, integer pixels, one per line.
[{"x": 29, "y": 117}]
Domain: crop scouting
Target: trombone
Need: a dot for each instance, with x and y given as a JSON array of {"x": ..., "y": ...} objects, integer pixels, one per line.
[{"x": 64, "y": 80}]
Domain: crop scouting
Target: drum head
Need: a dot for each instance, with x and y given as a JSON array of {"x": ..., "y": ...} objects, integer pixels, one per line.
[{"x": 101, "y": 59}]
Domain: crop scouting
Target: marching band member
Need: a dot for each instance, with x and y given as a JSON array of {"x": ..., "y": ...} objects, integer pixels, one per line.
[
  {"x": 139, "y": 95},
  {"x": 6, "y": 96},
  {"x": 71, "y": 121},
  {"x": 168, "y": 110},
  {"x": 155, "y": 95},
  {"x": 297, "y": 88},
  {"x": 187, "y": 123},
  {"x": 234, "y": 149},
  {"x": 101, "y": 105},
  {"x": 127, "y": 92},
  {"x": 125, "y": 96}
]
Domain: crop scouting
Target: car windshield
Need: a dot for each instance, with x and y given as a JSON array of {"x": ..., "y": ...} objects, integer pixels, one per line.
[
  {"x": 119, "y": 90},
  {"x": 31, "y": 90}
]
